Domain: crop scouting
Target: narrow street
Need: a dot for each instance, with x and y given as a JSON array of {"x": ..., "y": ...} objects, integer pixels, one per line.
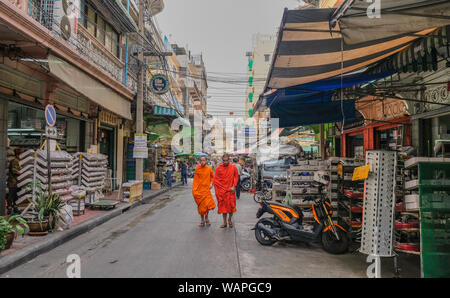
[{"x": 162, "y": 239}]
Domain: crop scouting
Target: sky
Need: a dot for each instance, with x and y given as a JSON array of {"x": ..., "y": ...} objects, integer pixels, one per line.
[{"x": 222, "y": 31}]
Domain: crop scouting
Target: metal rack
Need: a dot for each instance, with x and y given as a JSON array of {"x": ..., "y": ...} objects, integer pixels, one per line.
[
  {"x": 350, "y": 198},
  {"x": 302, "y": 185}
]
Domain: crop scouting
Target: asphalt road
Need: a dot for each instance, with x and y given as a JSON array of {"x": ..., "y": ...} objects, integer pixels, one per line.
[{"x": 163, "y": 239}]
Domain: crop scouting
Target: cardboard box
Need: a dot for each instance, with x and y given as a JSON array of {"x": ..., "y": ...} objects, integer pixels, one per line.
[
  {"x": 149, "y": 177},
  {"x": 156, "y": 186}
]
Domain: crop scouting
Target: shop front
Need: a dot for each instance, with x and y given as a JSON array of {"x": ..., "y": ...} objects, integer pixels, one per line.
[
  {"x": 386, "y": 126},
  {"x": 431, "y": 122},
  {"x": 110, "y": 139}
]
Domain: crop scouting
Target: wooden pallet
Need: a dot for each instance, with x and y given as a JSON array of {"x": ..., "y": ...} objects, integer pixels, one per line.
[{"x": 104, "y": 204}]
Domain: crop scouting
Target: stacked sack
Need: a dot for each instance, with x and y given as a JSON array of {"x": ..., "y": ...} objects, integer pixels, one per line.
[
  {"x": 75, "y": 167},
  {"x": 35, "y": 169},
  {"x": 93, "y": 170}
]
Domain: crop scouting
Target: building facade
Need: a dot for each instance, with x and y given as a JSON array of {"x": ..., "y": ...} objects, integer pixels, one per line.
[{"x": 75, "y": 55}]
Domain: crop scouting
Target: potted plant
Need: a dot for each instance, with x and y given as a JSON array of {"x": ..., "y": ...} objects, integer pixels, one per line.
[
  {"x": 53, "y": 207},
  {"x": 5, "y": 228},
  {"x": 9, "y": 230},
  {"x": 47, "y": 210},
  {"x": 35, "y": 217}
]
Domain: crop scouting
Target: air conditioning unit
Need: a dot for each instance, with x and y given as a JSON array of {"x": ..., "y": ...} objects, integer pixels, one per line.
[{"x": 65, "y": 18}]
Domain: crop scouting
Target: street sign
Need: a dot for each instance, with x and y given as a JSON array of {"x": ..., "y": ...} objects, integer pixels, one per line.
[
  {"x": 50, "y": 115},
  {"x": 159, "y": 84},
  {"x": 51, "y": 132}
]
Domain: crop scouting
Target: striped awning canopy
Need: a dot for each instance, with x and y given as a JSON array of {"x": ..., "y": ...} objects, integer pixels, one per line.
[
  {"x": 307, "y": 50},
  {"x": 363, "y": 21}
]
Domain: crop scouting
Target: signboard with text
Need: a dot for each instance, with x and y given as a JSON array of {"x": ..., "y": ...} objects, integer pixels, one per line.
[{"x": 140, "y": 149}]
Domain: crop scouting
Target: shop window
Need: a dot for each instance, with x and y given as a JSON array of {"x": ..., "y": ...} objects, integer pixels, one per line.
[
  {"x": 26, "y": 127},
  {"x": 90, "y": 20},
  {"x": 101, "y": 30},
  {"x": 267, "y": 58}
]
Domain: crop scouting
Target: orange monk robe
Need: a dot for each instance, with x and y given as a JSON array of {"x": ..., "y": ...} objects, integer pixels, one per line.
[
  {"x": 203, "y": 178},
  {"x": 225, "y": 178}
]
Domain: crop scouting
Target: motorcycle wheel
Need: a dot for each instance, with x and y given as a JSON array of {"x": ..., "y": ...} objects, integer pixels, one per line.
[
  {"x": 245, "y": 186},
  {"x": 261, "y": 235},
  {"x": 258, "y": 197},
  {"x": 332, "y": 245}
]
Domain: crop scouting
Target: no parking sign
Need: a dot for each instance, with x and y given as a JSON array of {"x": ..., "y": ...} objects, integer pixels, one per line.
[{"x": 50, "y": 115}]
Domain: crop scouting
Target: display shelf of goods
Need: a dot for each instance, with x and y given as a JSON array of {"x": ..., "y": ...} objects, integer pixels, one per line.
[
  {"x": 350, "y": 198},
  {"x": 302, "y": 187},
  {"x": 427, "y": 203}
]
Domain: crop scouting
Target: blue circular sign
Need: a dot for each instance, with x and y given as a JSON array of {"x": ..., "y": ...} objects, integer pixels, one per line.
[{"x": 50, "y": 115}]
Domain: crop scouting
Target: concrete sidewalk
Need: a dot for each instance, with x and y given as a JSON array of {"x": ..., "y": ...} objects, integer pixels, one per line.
[{"x": 55, "y": 239}]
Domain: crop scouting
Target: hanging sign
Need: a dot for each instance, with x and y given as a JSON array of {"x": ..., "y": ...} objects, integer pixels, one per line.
[
  {"x": 159, "y": 84},
  {"x": 140, "y": 149}
]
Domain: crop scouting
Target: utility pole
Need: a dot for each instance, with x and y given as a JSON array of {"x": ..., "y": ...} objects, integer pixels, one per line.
[{"x": 140, "y": 89}]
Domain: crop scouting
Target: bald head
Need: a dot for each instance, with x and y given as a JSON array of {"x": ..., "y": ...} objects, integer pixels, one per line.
[
  {"x": 203, "y": 161},
  {"x": 226, "y": 159}
]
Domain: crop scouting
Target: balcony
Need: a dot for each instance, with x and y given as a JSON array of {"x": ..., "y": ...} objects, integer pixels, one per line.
[{"x": 72, "y": 25}]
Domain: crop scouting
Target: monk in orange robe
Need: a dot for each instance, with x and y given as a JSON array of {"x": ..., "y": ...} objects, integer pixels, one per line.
[
  {"x": 203, "y": 179},
  {"x": 225, "y": 182}
]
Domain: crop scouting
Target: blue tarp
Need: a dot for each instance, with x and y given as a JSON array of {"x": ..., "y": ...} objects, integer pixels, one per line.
[{"x": 311, "y": 103}]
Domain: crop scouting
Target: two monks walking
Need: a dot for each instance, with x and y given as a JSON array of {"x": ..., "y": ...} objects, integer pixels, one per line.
[{"x": 224, "y": 181}]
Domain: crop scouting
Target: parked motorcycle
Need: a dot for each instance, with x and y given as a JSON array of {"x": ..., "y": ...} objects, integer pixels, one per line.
[
  {"x": 245, "y": 180},
  {"x": 287, "y": 224},
  {"x": 265, "y": 194}
]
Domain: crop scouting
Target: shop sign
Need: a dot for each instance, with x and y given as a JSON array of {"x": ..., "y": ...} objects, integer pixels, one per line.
[
  {"x": 108, "y": 118},
  {"x": 159, "y": 84},
  {"x": 140, "y": 149},
  {"x": 389, "y": 108}
]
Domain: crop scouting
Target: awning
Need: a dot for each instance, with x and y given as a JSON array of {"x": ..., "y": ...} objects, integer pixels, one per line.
[
  {"x": 307, "y": 51},
  {"x": 311, "y": 103},
  {"x": 397, "y": 18},
  {"x": 89, "y": 87},
  {"x": 422, "y": 55}
]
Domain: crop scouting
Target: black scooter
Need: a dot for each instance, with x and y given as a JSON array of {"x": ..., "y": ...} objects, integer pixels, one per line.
[{"x": 287, "y": 224}]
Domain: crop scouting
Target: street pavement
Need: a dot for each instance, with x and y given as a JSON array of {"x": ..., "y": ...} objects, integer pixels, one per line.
[{"x": 163, "y": 239}]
